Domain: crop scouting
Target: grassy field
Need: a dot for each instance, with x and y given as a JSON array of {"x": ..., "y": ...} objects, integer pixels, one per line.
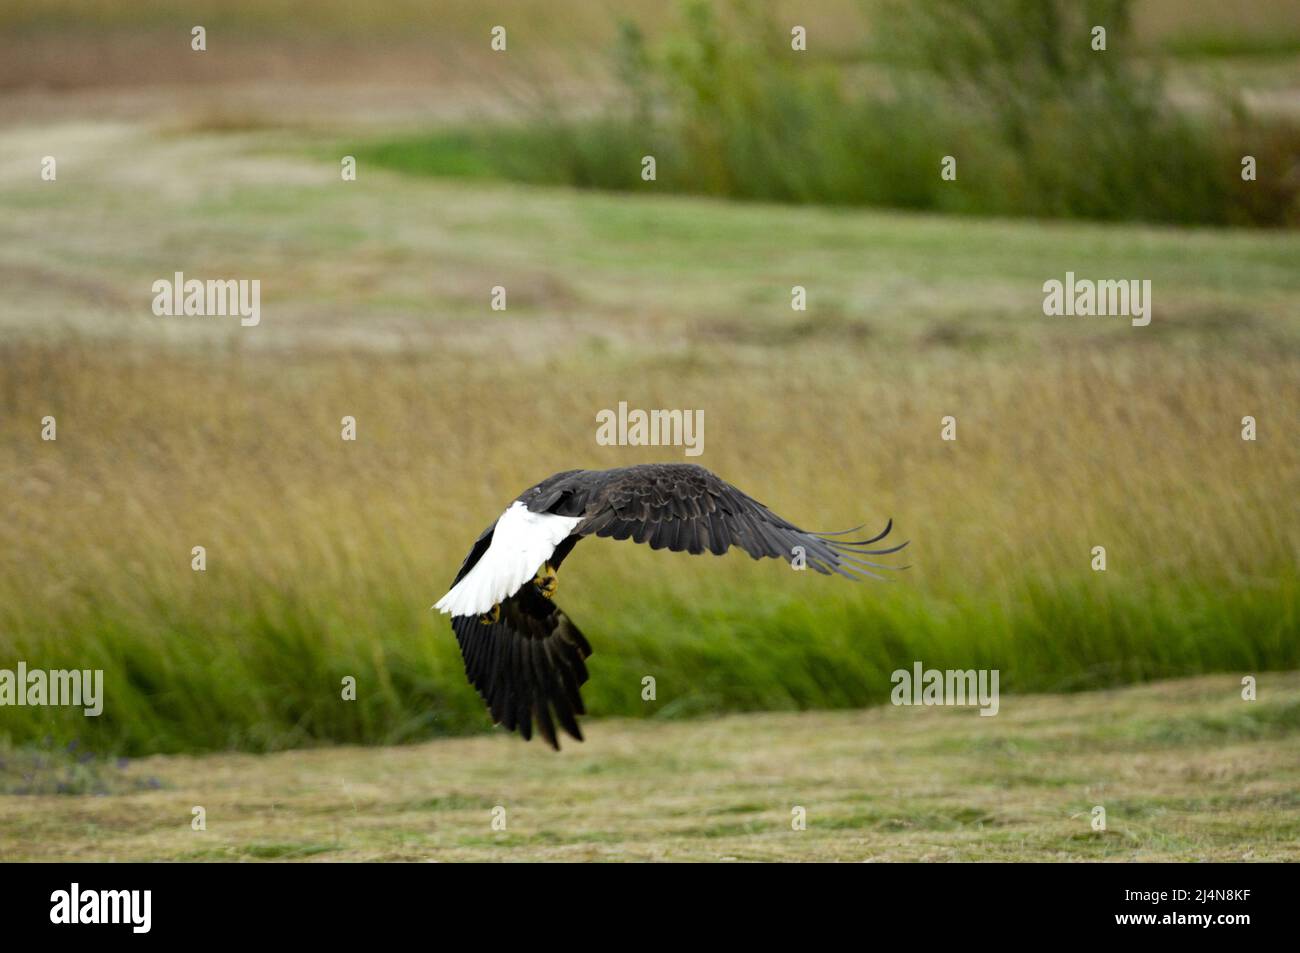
[
  {"x": 1120, "y": 688},
  {"x": 324, "y": 556},
  {"x": 1184, "y": 770}
]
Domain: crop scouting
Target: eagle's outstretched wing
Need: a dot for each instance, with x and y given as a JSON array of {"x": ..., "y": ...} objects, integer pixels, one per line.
[{"x": 686, "y": 508}]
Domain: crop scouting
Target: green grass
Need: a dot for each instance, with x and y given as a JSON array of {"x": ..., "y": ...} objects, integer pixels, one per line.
[
  {"x": 466, "y": 153},
  {"x": 1228, "y": 44},
  {"x": 214, "y": 679}
]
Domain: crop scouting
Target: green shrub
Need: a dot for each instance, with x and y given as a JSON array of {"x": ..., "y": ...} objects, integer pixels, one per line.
[{"x": 1040, "y": 123}]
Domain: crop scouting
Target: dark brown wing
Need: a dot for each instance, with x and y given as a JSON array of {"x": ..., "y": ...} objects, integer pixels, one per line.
[
  {"x": 686, "y": 508},
  {"x": 528, "y": 665}
]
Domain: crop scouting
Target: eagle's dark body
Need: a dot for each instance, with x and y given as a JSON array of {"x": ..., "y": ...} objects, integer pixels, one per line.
[{"x": 529, "y": 663}]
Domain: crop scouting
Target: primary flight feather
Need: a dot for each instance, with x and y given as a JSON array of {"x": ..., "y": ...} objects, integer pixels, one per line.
[{"x": 522, "y": 653}]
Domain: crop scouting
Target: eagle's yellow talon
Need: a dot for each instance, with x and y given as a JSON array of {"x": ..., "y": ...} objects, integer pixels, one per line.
[
  {"x": 487, "y": 618},
  {"x": 545, "y": 581}
]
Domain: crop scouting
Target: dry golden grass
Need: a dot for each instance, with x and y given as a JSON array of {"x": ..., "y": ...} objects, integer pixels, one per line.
[{"x": 158, "y": 448}]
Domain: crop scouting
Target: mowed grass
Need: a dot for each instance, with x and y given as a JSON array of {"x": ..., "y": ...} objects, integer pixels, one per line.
[
  {"x": 1184, "y": 770},
  {"x": 323, "y": 556}
]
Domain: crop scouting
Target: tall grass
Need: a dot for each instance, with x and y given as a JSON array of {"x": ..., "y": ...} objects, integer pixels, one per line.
[
  {"x": 324, "y": 556},
  {"x": 1039, "y": 123}
]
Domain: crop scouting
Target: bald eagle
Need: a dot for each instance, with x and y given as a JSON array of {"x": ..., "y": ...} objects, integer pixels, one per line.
[{"x": 522, "y": 653}]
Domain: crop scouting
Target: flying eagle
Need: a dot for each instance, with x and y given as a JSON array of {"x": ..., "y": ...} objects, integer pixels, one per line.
[{"x": 521, "y": 652}]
